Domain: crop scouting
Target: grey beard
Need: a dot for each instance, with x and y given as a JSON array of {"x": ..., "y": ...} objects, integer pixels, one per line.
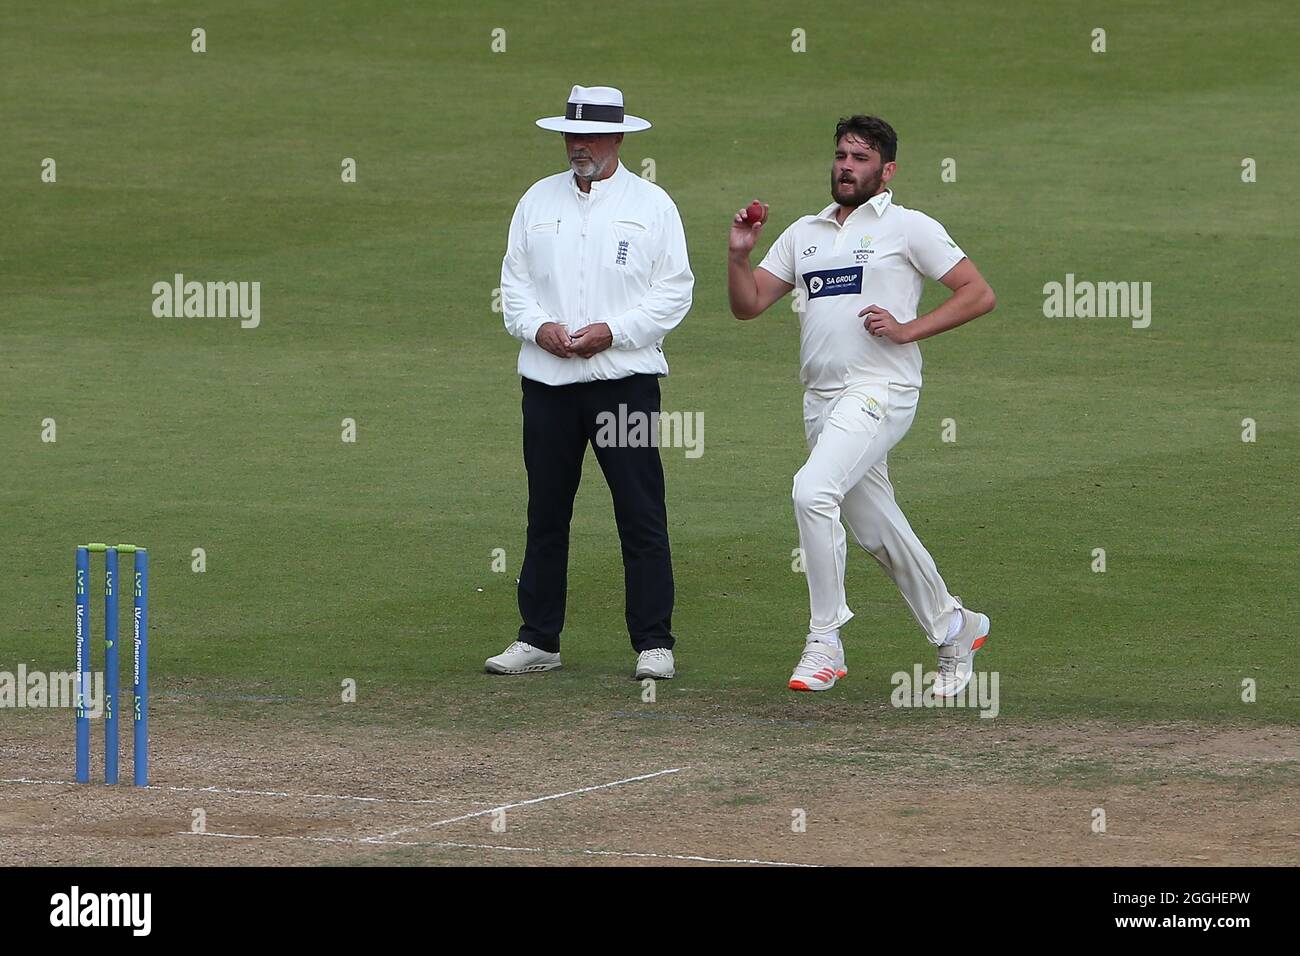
[{"x": 588, "y": 168}]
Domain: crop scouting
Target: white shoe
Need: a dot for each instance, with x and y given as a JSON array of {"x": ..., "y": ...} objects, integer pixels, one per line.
[
  {"x": 957, "y": 657},
  {"x": 819, "y": 668},
  {"x": 657, "y": 663},
  {"x": 521, "y": 658}
]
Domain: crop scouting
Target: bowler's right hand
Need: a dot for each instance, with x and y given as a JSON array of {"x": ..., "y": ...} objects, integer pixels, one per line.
[
  {"x": 744, "y": 233},
  {"x": 553, "y": 337}
]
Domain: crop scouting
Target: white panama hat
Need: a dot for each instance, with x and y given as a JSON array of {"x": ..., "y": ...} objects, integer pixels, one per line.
[{"x": 594, "y": 109}]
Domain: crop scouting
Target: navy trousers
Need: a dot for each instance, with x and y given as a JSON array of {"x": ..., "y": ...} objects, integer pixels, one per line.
[{"x": 559, "y": 422}]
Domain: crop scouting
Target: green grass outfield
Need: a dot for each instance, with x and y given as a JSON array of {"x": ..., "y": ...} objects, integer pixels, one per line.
[{"x": 371, "y": 560}]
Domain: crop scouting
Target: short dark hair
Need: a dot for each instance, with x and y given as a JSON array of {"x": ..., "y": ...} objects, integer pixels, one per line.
[{"x": 873, "y": 131}]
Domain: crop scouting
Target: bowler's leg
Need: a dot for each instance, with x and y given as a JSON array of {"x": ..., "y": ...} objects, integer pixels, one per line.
[
  {"x": 854, "y": 436},
  {"x": 879, "y": 525}
]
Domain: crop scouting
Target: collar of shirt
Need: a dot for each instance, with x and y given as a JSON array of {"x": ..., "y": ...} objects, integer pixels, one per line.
[
  {"x": 879, "y": 203},
  {"x": 600, "y": 187}
]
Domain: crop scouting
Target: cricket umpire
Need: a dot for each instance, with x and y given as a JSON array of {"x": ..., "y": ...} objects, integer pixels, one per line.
[{"x": 594, "y": 277}]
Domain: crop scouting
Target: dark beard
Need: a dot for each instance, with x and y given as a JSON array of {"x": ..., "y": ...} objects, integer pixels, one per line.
[{"x": 858, "y": 196}]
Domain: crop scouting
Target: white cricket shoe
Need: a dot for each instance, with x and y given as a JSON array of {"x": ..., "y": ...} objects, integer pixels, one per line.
[
  {"x": 819, "y": 668},
  {"x": 521, "y": 658},
  {"x": 957, "y": 657},
  {"x": 657, "y": 663}
]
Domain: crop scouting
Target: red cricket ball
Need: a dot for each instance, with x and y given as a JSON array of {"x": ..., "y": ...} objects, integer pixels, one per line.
[{"x": 754, "y": 212}]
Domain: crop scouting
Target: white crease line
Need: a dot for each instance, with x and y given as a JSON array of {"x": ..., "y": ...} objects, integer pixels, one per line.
[
  {"x": 442, "y": 801},
  {"x": 313, "y": 796},
  {"x": 521, "y": 803},
  {"x": 506, "y": 849}
]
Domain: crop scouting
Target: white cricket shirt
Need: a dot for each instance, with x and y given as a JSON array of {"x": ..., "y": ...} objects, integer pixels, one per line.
[
  {"x": 881, "y": 255},
  {"x": 616, "y": 255}
]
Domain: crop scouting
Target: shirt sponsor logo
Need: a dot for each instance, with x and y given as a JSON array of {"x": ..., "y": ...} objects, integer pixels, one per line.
[{"x": 833, "y": 282}]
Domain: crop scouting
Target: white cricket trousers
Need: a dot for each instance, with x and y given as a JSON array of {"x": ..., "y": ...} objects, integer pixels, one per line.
[{"x": 850, "y": 432}]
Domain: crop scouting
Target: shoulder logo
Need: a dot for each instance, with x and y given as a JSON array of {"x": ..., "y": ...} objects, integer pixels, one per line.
[{"x": 809, "y": 251}]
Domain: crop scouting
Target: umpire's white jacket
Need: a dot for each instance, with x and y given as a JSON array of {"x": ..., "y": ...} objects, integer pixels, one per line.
[{"x": 615, "y": 255}]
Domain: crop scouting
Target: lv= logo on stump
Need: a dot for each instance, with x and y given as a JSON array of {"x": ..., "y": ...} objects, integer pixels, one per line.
[{"x": 112, "y": 666}]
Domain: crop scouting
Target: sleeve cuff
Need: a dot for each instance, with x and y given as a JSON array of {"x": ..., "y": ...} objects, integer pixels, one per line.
[
  {"x": 945, "y": 269},
  {"x": 785, "y": 275},
  {"x": 535, "y": 328},
  {"x": 619, "y": 336}
]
